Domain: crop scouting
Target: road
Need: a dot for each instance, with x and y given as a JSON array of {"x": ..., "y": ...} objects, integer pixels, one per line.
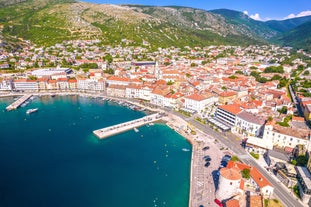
[{"x": 232, "y": 142}]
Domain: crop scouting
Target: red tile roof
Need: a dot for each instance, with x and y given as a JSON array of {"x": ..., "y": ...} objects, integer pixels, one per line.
[
  {"x": 196, "y": 97},
  {"x": 232, "y": 203},
  {"x": 228, "y": 94},
  {"x": 232, "y": 108}
]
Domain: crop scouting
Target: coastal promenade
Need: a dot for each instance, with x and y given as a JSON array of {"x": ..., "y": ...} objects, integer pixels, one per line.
[
  {"x": 116, "y": 129},
  {"x": 18, "y": 102}
]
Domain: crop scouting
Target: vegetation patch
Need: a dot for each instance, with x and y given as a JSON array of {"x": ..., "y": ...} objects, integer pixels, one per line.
[{"x": 254, "y": 155}]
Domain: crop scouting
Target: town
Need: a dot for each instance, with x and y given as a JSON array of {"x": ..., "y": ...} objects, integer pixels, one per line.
[{"x": 261, "y": 94}]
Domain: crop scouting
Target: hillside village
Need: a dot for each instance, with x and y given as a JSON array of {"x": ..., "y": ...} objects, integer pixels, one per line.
[{"x": 259, "y": 93}]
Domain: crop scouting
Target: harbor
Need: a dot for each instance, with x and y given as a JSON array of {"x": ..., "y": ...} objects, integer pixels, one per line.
[
  {"x": 18, "y": 102},
  {"x": 119, "y": 128}
]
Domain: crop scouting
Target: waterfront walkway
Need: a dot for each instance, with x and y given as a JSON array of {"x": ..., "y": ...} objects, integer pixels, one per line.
[
  {"x": 116, "y": 129},
  {"x": 18, "y": 102}
]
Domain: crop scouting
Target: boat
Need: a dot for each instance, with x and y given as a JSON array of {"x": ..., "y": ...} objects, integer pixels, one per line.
[
  {"x": 185, "y": 149},
  {"x": 29, "y": 111},
  {"x": 136, "y": 130}
]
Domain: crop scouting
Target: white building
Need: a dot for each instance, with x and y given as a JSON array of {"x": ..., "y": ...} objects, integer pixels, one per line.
[
  {"x": 198, "y": 102},
  {"x": 52, "y": 72},
  {"x": 6, "y": 85},
  {"x": 90, "y": 85},
  {"x": 226, "y": 114},
  {"x": 250, "y": 124},
  {"x": 229, "y": 183},
  {"x": 282, "y": 137},
  {"x": 25, "y": 85}
]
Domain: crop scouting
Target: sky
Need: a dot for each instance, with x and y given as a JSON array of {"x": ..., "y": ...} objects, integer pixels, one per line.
[{"x": 257, "y": 9}]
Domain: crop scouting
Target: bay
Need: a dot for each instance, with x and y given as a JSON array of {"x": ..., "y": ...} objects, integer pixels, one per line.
[{"x": 51, "y": 157}]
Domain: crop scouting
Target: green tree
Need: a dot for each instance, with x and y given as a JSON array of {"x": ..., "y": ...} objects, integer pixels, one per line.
[
  {"x": 302, "y": 160},
  {"x": 108, "y": 58},
  {"x": 233, "y": 77},
  {"x": 246, "y": 173},
  {"x": 169, "y": 83},
  {"x": 193, "y": 65}
]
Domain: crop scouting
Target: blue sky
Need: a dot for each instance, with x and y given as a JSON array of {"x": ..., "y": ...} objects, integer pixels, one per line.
[{"x": 257, "y": 9}]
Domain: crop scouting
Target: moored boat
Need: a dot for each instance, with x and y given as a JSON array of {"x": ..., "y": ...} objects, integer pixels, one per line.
[{"x": 29, "y": 111}]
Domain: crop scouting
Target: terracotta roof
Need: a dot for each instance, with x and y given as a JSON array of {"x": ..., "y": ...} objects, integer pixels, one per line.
[
  {"x": 228, "y": 94},
  {"x": 259, "y": 178},
  {"x": 239, "y": 165},
  {"x": 72, "y": 80},
  {"x": 230, "y": 173},
  {"x": 232, "y": 203},
  {"x": 297, "y": 118},
  {"x": 232, "y": 108},
  {"x": 254, "y": 173},
  {"x": 115, "y": 78},
  {"x": 196, "y": 97},
  {"x": 256, "y": 201}
]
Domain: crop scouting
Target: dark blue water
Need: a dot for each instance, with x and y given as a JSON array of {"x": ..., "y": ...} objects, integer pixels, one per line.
[{"x": 51, "y": 158}]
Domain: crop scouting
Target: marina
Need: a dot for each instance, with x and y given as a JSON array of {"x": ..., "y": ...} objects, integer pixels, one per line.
[
  {"x": 116, "y": 129},
  {"x": 18, "y": 102}
]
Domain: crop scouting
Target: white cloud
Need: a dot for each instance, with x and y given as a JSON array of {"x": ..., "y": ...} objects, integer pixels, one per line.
[
  {"x": 245, "y": 12},
  {"x": 301, "y": 14},
  {"x": 256, "y": 17}
]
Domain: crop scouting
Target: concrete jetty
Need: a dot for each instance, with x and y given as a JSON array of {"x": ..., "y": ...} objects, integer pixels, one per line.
[
  {"x": 116, "y": 129},
  {"x": 18, "y": 102}
]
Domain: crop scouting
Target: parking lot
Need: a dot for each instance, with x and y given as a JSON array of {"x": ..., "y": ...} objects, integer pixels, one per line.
[{"x": 205, "y": 178}]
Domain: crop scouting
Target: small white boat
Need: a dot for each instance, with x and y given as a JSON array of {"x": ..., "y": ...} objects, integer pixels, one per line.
[
  {"x": 136, "y": 130},
  {"x": 185, "y": 149},
  {"x": 29, "y": 111}
]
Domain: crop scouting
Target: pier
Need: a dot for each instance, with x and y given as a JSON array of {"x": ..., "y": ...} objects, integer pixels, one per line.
[
  {"x": 18, "y": 102},
  {"x": 116, "y": 129}
]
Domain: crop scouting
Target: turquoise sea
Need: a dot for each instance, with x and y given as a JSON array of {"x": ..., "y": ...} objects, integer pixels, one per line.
[{"x": 51, "y": 158}]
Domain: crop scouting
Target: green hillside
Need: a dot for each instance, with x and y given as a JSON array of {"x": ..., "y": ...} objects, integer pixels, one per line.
[
  {"x": 47, "y": 22},
  {"x": 288, "y": 24},
  {"x": 299, "y": 37}
]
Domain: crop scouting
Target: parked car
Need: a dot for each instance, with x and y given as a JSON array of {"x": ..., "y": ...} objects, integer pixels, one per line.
[
  {"x": 207, "y": 164},
  {"x": 205, "y": 148},
  {"x": 218, "y": 202},
  {"x": 206, "y": 156},
  {"x": 208, "y": 159}
]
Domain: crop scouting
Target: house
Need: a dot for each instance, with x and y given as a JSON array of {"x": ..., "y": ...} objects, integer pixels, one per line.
[
  {"x": 116, "y": 90},
  {"x": 249, "y": 124},
  {"x": 72, "y": 83},
  {"x": 282, "y": 137},
  {"x": 25, "y": 85},
  {"x": 226, "y": 114},
  {"x": 198, "y": 102},
  {"x": 261, "y": 184},
  {"x": 227, "y": 97}
]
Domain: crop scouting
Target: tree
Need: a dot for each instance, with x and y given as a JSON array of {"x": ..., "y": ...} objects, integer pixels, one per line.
[
  {"x": 306, "y": 72},
  {"x": 246, "y": 173},
  {"x": 302, "y": 160},
  {"x": 233, "y": 77},
  {"x": 108, "y": 58},
  {"x": 169, "y": 83},
  {"x": 283, "y": 110}
]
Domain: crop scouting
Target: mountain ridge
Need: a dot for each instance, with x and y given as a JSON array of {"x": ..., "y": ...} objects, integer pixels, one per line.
[{"x": 52, "y": 21}]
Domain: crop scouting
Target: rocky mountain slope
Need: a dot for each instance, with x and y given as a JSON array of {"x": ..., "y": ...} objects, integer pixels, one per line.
[{"x": 46, "y": 22}]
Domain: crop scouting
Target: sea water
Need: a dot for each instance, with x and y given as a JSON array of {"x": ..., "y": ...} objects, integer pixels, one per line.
[{"x": 51, "y": 158}]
